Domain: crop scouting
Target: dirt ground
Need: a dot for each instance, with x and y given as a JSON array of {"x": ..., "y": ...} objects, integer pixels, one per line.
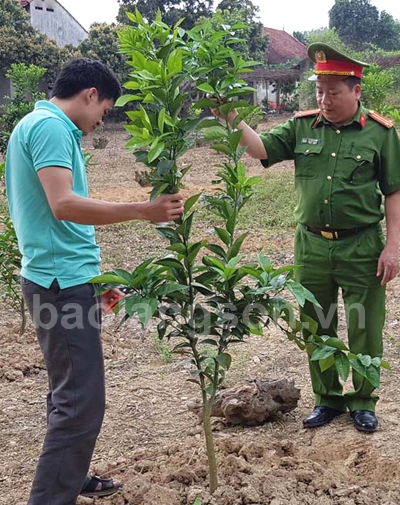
[{"x": 150, "y": 440}]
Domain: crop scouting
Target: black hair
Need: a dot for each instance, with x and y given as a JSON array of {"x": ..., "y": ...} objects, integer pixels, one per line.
[
  {"x": 83, "y": 73},
  {"x": 352, "y": 81}
]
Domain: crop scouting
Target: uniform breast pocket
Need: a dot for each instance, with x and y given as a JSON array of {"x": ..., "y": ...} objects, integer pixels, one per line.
[
  {"x": 359, "y": 166},
  {"x": 307, "y": 160}
]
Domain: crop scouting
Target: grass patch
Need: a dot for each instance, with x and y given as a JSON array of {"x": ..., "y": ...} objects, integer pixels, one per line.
[
  {"x": 272, "y": 205},
  {"x": 162, "y": 348},
  {"x": 270, "y": 209}
]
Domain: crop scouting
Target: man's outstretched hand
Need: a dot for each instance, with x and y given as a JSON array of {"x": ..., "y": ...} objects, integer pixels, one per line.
[{"x": 163, "y": 208}]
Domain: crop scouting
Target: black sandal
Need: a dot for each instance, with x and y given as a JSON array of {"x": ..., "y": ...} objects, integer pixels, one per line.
[{"x": 108, "y": 487}]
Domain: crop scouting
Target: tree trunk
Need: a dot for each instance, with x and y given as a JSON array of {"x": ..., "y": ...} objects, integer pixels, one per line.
[
  {"x": 212, "y": 463},
  {"x": 22, "y": 327}
]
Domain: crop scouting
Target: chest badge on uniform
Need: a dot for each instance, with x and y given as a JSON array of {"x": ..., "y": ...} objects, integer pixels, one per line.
[{"x": 312, "y": 142}]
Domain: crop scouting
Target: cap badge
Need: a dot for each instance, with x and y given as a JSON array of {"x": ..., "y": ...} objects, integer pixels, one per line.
[{"x": 320, "y": 57}]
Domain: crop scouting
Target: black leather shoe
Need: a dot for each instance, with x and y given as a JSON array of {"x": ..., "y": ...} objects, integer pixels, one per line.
[
  {"x": 320, "y": 416},
  {"x": 364, "y": 420}
]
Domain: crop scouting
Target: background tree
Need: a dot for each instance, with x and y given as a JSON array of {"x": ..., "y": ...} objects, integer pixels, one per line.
[
  {"x": 359, "y": 25},
  {"x": 388, "y": 32},
  {"x": 329, "y": 36},
  {"x": 103, "y": 44},
  {"x": 172, "y": 10},
  {"x": 21, "y": 43},
  {"x": 255, "y": 42},
  {"x": 26, "y": 80},
  {"x": 301, "y": 36}
]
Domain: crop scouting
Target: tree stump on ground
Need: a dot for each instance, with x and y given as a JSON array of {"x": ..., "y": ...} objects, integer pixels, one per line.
[{"x": 253, "y": 402}]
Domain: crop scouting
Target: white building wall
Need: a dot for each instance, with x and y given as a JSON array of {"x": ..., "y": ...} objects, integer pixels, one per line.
[
  {"x": 264, "y": 89},
  {"x": 260, "y": 92},
  {"x": 50, "y": 17}
]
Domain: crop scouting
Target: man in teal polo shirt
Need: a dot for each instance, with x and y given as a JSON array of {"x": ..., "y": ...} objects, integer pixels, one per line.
[
  {"x": 54, "y": 221},
  {"x": 346, "y": 158}
]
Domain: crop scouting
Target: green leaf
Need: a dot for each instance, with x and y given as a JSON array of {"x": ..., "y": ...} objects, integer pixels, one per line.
[
  {"x": 169, "y": 234},
  {"x": 198, "y": 383},
  {"x": 256, "y": 330},
  {"x": 216, "y": 249},
  {"x": 202, "y": 289},
  {"x": 166, "y": 289},
  {"x": 155, "y": 151},
  {"x": 123, "y": 273},
  {"x": 322, "y": 352},
  {"x": 174, "y": 64},
  {"x": 158, "y": 191},
  {"x": 358, "y": 367},
  {"x": 215, "y": 133},
  {"x": 209, "y": 341},
  {"x": 222, "y": 148},
  {"x": 386, "y": 365},
  {"x": 124, "y": 99},
  {"x": 207, "y": 88},
  {"x": 204, "y": 103},
  {"x": 372, "y": 376},
  {"x": 336, "y": 343},
  {"x": 213, "y": 262},
  {"x": 298, "y": 292},
  {"x": 164, "y": 167},
  {"x": 170, "y": 262},
  {"x": 187, "y": 226},
  {"x": 342, "y": 365},
  {"x": 148, "y": 312},
  {"x": 325, "y": 364},
  {"x": 161, "y": 120},
  {"x": 206, "y": 123},
  {"x": 234, "y": 250},
  {"x": 179, "y": 248},
  {"x": 190, "y": 202},
  {"x": 230, "y": 224},
  {"x": 376, "y": 362},
  {"x": 365, "y": 360},
  {"x": 131, "y": 302},
  {"x": 234, "y": 139},
  {"x": 223, "y": 235},
  {"x": 194, "y": 250},
  {"x": 109, "y": 278},
  {"x": 264, "y": 262},
  {"x": 224, "y": 360}
]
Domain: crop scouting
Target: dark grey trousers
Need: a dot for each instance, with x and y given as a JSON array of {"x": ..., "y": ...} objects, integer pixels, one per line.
[{"x": 67, "y": 323}]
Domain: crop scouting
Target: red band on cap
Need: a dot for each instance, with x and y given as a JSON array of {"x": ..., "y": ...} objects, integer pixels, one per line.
[{"x": 337, "y": 67}]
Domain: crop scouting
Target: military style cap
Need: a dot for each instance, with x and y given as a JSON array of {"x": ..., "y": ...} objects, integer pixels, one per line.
[{"x": 328, "y": 61}]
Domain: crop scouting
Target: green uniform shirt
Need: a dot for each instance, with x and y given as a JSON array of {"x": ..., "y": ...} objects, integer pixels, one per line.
[{"x": 340, "y": 172}]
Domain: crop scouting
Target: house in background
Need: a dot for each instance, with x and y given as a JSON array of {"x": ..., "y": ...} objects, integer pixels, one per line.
[
  {"x": 52, "y": 19},
  {"x": 282, "y": 49}
]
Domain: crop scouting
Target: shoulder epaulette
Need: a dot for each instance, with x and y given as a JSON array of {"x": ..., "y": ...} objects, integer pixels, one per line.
[
  {"x": 306, "y": 113},
  {"x": 385, "y": 121}
]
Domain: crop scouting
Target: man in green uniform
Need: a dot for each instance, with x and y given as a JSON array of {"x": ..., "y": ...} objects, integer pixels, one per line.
[{"x": 346, "y": 159}]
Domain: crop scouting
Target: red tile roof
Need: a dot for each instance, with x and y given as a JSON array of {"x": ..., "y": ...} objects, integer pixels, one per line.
[{"x": 283, "y": 47}]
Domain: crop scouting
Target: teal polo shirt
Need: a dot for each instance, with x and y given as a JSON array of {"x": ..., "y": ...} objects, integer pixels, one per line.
[{"x": 51, "y": 249}]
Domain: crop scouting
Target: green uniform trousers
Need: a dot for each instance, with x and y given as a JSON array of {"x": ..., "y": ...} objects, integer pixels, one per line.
[{"x": 349, "y": 263}]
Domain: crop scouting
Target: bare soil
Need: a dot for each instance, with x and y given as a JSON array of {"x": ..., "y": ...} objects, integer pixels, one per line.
[{"x": 149, "y": 439}]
